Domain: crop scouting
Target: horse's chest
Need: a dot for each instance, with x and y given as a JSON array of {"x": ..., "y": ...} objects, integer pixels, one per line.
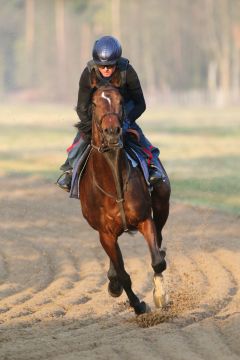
[{"x": 102, "y": 210}]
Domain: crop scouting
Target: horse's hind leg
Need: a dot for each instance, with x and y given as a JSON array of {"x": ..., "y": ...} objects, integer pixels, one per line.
[
  {"x": 147, "y": 228},
  {"x": 115, "y": 288},
  {"x": 109, "y": 243},
  {"x": 160, "y": 206}
]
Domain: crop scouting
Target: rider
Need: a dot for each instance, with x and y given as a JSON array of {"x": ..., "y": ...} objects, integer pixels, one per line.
[{"x": 107, "y": 63}]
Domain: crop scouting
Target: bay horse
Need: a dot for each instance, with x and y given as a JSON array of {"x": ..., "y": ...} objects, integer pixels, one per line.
[{"x": 115, "y": 198}]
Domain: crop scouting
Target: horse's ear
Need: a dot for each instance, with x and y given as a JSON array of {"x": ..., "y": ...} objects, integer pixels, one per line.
[
  {"x": 93, "y": 79},
  {"x": 116, "y": 78}
]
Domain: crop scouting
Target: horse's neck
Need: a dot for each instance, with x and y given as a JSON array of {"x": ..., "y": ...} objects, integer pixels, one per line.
[
  {"x": 96, "y": 137},
  {"x": 110, "y": 167}
]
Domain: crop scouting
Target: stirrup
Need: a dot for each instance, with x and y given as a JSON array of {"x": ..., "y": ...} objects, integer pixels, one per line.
[
  {"x": 155, "y": 175},
  {"x": 63, "y": 185}
]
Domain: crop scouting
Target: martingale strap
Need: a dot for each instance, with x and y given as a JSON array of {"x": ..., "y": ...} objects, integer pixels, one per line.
[{"x": 120, "y": 198}]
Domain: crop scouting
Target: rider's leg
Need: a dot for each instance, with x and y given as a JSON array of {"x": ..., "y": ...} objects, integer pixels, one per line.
[
  {"x": 155, "y": 168},
  {"x": 156, "y": 172},
  {"x": 74, "y": 151}
]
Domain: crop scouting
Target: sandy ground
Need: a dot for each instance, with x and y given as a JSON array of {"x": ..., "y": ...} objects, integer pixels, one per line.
[{"x": 54, "y": 302}]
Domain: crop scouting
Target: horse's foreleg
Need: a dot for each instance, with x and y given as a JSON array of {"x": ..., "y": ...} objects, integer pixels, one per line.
[
  {"x": 115, "y": 288},
  {"x": 147, "y": 228},
  {"x": 109, "y": 243},
  {"x": 160, "y": 206}
]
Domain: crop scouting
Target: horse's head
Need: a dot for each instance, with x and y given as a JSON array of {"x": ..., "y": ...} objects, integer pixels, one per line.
[{"x": 107, "y": 117}]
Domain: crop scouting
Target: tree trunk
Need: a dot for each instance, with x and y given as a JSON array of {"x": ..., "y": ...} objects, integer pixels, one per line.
[
  {"x": 86, "y": 44},
  {"x": 224, "y": 61},
  {"x": 224, "y": 74},
  {"x": 29, "y": 39},
  {"x": 212, "y": 80},
  {"x": 236, "y": 63},
  {"x": 116, "y": 31},
  {"x": 147, "y": 57},
  {"x": 61, "y": 45}
]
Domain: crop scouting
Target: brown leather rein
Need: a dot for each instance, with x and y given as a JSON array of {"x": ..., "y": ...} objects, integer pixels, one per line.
[{"x": 119, "y": 190}]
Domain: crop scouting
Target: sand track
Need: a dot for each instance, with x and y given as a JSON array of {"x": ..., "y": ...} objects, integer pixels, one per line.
[{"x": 53, "y": 286}]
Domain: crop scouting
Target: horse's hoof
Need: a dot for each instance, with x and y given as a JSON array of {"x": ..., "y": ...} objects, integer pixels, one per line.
[
  {"x": 115, "y": 289},
  {"x": 160, "y": 295},
  {"x": 141, "y": 308}
]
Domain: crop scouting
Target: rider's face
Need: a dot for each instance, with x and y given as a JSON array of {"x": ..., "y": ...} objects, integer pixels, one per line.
[{"x": 107, "y": 70}]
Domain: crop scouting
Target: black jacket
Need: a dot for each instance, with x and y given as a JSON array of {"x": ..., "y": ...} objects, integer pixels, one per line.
[{"x": 131, "y": 90}]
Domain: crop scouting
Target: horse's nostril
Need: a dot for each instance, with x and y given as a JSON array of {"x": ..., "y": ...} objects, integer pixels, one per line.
[{"x": 118, "y": 129}]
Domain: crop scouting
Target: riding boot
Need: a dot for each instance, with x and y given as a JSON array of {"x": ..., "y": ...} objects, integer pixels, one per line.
[
  {"x": 156, "y": 172},
  {"x": 65, "y": 180},
  {"x": 74, "y": 152}
]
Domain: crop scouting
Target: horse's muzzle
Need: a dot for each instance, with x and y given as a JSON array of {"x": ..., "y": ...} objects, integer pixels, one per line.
[{"x": 112, "y": 136}]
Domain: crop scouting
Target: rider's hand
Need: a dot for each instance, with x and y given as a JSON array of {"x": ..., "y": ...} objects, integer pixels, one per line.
[
  {"x": 134, "y": 133},
  {"x": 126, "y": 130}
]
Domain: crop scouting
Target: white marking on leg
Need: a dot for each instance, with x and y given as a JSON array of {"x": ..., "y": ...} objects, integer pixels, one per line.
[{"x": 160, "y": 296}]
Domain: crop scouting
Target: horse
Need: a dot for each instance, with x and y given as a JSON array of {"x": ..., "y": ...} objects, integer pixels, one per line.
[{"x": 115, "y": 198}]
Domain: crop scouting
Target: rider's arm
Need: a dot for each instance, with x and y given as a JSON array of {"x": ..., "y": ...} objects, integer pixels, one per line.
[
  {"x": 84, "y": 101},
  {"x": 135, "y": 93}
]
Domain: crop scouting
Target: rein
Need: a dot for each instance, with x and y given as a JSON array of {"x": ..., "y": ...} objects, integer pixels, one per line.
[
  {"x": 123, "y": 190},
  {"x": 120, "y": 191},
  {"x": 104, "y": 149}
]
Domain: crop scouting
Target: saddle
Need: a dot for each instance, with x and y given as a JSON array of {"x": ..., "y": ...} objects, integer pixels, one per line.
[{"x": 134, "y": 155}]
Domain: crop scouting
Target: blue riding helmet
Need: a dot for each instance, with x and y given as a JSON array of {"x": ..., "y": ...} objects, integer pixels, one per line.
[{"x": 106, "y": 51}]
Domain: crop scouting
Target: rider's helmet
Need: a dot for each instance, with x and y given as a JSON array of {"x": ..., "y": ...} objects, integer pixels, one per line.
[{"x": 106, "y": 51}]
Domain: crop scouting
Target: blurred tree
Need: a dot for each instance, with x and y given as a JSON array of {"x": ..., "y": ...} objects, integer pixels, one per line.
[
  {"x": 29, "y": 39},
  {"x": 175, "y": 46},
  {"x": 116, "y": 18},
  {"x": 61, "y": 47},
  {"x": 223, "y": 58},
  {"x": 11, "y": 27},
  {"x": 236, "y": 62}
]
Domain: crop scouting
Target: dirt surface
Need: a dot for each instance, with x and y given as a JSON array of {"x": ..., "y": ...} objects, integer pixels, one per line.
[{"x": 54, "y": 302}]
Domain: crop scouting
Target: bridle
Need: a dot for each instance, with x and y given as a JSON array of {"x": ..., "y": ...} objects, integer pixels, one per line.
[{"x": 105, "y": 146}]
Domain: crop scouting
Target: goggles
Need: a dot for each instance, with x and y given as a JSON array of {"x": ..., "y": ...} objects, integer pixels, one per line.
[{"x": 106, "y": 66}]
